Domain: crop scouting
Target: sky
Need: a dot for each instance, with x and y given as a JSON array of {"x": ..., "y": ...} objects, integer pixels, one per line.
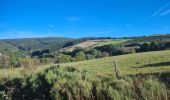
[{"x": 83, "y": 18}]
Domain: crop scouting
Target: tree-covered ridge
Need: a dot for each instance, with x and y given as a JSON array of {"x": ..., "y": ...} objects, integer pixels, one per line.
[
  {"x": 7, "y": 47},
  {"x": 159, "y": 38},
  {"x": 32, "y": 44}
]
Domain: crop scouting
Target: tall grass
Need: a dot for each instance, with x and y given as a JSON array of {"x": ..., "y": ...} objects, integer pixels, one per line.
[{"x": 70, "y": 83}]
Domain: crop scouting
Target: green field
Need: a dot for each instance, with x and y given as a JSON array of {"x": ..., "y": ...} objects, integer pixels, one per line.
[
  {"x": 147, "y": 62},
  {"x": 114, "y": 42},
  {"x": 92, "y": 79},
  {"x": 96, "y": 43}
]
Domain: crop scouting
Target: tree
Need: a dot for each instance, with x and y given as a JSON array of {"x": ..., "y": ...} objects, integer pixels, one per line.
[
  {"x": 145, "y": 47},
  {"x": 167, "y": 45},
  {"x": 76, "y": 50},
  {"x": 93, "y": 53},
  {"x": 105, "y": 54},
  {"x": 80, "y": 56},
  {"x": 89, "y": 56},
  {"x": 13, "y": 60},
  {"x": 25, "y": 62},
  {"x": 127, "y": 50},
  {"x": 4, "y": 61},
  {"x": 63, "y": 58},
  {"x": 154, "y": 45}
]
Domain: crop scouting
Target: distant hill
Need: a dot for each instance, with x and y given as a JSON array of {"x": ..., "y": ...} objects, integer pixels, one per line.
[
  {"x": 156, "y": 37},
  {"x": 80, "y": 40},
  {"x": 7, "y": 47},
  {"x": 57, "y": 43},
  {"x": 32, "y": 44},
  {"x": 94, "y": 43}
]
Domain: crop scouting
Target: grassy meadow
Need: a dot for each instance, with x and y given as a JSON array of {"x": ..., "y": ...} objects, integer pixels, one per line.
[
  {"x": 114, "y": 42},
  {"x": 90, "y": 80},
  {"x": 95, "y": 43},
  {"x": 146, "y": 62}
]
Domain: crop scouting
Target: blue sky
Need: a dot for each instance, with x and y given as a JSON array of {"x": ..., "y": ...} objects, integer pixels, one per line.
[{"x": 83, "y": 18}]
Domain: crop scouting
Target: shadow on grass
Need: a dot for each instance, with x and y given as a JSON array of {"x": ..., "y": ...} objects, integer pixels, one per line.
[
  {"x": 164, "y": 77},
  {"x": 155, "y": 65}
]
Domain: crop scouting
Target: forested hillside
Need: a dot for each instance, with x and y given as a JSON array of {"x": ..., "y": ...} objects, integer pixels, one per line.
[
  {"x": 159, "y": 38},
  {"x": 7, "y": 47},
  {"x": 32, "y": 44}
]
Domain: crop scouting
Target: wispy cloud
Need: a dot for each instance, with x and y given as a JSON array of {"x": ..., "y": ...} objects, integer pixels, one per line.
[
  {"x": 165, "y": 12},
  {"x": 14, "y": 33},
  {"x": 9, "y": 32},
  {"x": 162, "y": 11},
  {"x": 73, "y": 18},
  {"x": 106, "y": 32},
  {"x": 51, "y": 26}
]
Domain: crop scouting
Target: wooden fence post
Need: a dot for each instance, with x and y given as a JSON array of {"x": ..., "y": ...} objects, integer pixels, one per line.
[{"x": 117, "y": 72}]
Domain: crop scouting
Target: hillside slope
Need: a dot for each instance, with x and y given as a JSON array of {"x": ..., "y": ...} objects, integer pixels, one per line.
[
  {"x": 32, "y": 44},
  {"x": 147, "y": 62},
  {"x": 161, "y": 38},
  {"x": 7, "y": 47},
  {"x": 94, "y": 43}
]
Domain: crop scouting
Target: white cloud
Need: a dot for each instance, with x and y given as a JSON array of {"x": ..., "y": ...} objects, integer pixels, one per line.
[
  {"x": 161, "y": 11},
  {"x": 14, "y": 33},
  {"x": 51, "y": 26},
  {"x": 165, "y": 12},
  {"x": 73, "y": 18},
  {"x": 106, "y": 32}
]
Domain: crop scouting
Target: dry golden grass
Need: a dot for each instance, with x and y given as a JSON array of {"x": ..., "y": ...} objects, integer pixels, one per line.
[{"x": 94, "y": 43}]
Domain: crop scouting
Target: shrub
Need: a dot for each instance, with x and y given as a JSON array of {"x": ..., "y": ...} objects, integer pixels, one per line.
[
  {"x": 57, "y": 83},
  {"x": 28, "y": 64},
  {"x": 145, "y": 47},
  {"x": 63, "y": 58},
  {"x": 80, "y": 56},
  {"x": 4, "y": 61},
  {"x": 154, "y": 46},
  {"x": 105, "y": 54}
]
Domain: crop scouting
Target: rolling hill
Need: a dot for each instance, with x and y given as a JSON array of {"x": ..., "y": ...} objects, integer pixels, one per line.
[
  {"x": 32, "y": 44},
  {"x": 51, "y": 43},
  {"x": 146, "y": 72},
  {"x": 147, "y": 62},
  {"x": 156, "y": 37},
  {"x": 7, "y": 47},
  {"x": 94, "y": 43},
  {"x": 56, "y": 43}
]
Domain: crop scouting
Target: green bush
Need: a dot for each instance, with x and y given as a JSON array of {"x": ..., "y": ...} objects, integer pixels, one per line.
[
  {"x": 63, "y": 58},
  {"x": 70, "y": 83},
  {"x": 80, "y": 56}
]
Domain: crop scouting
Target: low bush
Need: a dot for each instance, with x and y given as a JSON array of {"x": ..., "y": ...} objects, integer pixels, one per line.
[{"x": 69, "y": 83}]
